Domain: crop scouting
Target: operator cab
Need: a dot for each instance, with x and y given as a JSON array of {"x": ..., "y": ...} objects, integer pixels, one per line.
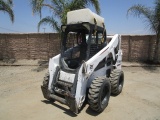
[{"x": 79, "y": 43}]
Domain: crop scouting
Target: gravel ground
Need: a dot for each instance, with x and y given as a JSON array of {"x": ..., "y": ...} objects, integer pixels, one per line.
[{"x": 21, "y": 97}]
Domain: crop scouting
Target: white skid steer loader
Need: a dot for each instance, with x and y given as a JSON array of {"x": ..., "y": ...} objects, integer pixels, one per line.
[{"x": 89, "y": 65}]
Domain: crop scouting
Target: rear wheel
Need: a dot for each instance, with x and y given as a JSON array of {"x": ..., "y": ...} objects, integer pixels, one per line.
[
  {"x": 117, "y": 80},
  {"x": 99, "y": 94}
]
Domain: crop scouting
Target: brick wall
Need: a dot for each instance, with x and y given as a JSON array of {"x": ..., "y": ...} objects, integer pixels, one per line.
[
  {"x": 46, "y": 45},
  {"x": 29, "y": 46},
  {"x": 138, "y": 47}
]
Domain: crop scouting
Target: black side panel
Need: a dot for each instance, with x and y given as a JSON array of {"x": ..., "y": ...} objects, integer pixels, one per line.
[
  {"x": 109, "y": 61},
  {"x": 100, "y": 65}
]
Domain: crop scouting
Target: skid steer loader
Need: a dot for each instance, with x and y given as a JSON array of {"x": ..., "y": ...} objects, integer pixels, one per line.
[{"x": 89, "y": 65}]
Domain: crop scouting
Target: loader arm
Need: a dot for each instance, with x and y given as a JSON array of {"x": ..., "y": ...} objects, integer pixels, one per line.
[{"x": 110, "y": 48}]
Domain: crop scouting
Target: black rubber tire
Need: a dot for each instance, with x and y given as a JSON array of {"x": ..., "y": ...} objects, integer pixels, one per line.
[
  {"x": 117, "y": 81},
  {"x": 45, "y": 85},
  {"x": 46, "y": 80},
  {"x": 99, "y": 94}
]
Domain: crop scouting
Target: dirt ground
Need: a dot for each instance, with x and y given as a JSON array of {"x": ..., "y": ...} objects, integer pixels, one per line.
[{"x": 21, "y": 97}]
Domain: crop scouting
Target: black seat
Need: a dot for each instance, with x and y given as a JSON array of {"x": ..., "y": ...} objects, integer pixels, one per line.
[{"x": 83, "y": 51}]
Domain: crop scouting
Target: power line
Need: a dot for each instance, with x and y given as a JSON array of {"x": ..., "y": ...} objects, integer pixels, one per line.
[{"x": 9, "y": 29}]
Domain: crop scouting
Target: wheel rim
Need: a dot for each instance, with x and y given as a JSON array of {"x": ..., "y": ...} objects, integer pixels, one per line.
[
  {"x": 120, "y": 83},
  {"x": 104, "y": 97}
]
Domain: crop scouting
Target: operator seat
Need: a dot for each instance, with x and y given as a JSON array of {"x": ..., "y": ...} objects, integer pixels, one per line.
[{"x": 83, "y": 48}]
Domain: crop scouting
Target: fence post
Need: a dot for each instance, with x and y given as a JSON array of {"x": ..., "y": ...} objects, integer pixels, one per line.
[
  {"x": 28, "y": 50},
  {"x": 149, "y": 48},
  {"x": 129, "y": 48},
  {"x": 48, "y": 50},
  {"x": 6, "y": 54}
]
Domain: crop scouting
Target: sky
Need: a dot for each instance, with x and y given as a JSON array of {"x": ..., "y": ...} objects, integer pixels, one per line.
[{"x": 113, "y": 11}]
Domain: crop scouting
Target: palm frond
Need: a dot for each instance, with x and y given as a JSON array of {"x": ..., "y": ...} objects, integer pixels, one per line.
[
  {"x": 49, "y": 6},
  {"x": 53, "y": 9},
  {"x": 36, "y": 6},
  {"x": 143, "y": 12},
  {"x": 157, "y": 15},
  {"x": 51, "y": 21},
  {"x": 62, "y": 2},
  {"x": 139, "y": 11},
  {"x": 60, "y": 8},
  {"x": 10, "y": 2},
  {"x": 59, "y": 5},
  {"x": 76, "y": 4},
  {"x": 96, "y": 5},
  {"x": 4, "y": 6},
  {"x": 69, "y": 6}
]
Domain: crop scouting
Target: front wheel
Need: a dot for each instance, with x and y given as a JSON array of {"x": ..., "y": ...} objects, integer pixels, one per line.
[
  {"x": 99, "y": 94},
  {"x": 44, "y": 87}
]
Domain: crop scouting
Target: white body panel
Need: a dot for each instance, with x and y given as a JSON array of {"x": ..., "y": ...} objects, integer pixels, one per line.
[
  {"x": 81, "y": 88},
  {"x": 84, "y": 15},
  {"x": 53, "y": 63}
]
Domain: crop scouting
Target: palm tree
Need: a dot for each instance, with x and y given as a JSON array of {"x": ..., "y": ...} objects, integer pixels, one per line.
[
  {"x": 152, "y": 17},
  {"x": 6, "y": 6},
  {"x": 59, "y": 10}
]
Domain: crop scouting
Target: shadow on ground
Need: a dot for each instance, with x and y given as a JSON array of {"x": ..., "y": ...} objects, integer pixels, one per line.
[
  {"x": 91, "y": 112},
  {"x": 69, "y": 112},
  {"x": 66, "y": 111},
  {"x": 150, "y": 68}
]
